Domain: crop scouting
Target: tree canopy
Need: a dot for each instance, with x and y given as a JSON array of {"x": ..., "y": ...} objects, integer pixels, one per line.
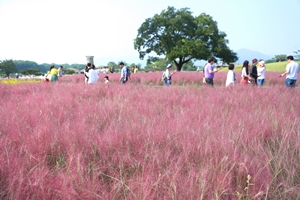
[
  {"x": 281, "y": 57},
  {"x": 7, "y": 67},
  {"x": 297, "y": 54},
  {"x": 31, "y": 71},
  {"x": 181, "y": 37}
]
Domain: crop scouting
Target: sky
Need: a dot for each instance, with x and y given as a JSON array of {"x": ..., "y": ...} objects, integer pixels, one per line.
[{"x": 66, "y": 31}]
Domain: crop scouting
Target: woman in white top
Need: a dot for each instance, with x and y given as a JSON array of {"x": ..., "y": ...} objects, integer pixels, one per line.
[
  {"x": 245, "y": 72},
  {"x": 261, "y": 73},
  {"x": 93, "y": 75},
  {"x": 230, "y": 75}
]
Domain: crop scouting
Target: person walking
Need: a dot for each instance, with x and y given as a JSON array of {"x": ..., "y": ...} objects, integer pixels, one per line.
[
  {"x": 209, "y": 72},
  {"x": 60, "y": 71},
  {"x": 135, "y": 69},
  {"x": 245, "y": 73},
  {"x": 253, "y": 72},
  {"x": 168, "y": 75},
  {"x": 291, "y": 72},
  {"x": 124, "y": 73},
  {"x": 261, "y": 73},
  {"x": 93, "y": 75},
  {"x": 203, "y": 79},
  {"x": 230, "y": 76},
  {"x": 86, "y": 72},
  {"x": 53, "y": 72}
]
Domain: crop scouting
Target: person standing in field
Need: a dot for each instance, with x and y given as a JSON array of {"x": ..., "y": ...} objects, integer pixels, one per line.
[
  {"x": 86, "y": 72},
  {"x": 261, "y": 73},
  {"x": 209, "y": 72},
  {"x": 168, "y": 74},
  {"x": 124, "y": 73},
  {"x": 253, "y": 72},
  {"x": 60, "y": 71},
  {"x": 230, "y": 75},
  {"x": 203, "y": 79},
  {"x": 93, "y": 75},
  {"x": 291, "y": 72},
  {"x": 53, "y": 72},
  {"x": 245, "y": 73},
  {"x": 135, "y": 69}
]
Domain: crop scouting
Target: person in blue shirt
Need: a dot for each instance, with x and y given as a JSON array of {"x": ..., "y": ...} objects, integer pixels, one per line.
[
  {"x": 124, "y": 73},
  {"x": 291, "y": 72}
]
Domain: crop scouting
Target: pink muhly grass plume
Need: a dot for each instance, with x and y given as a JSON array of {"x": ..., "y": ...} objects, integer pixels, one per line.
[{"x": 134, "y": 141}]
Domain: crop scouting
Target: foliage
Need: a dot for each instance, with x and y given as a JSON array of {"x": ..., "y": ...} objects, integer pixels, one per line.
[
  {"x": 182, "y": 37},
  {"x": 113, "y": 65},
  {"x": 159, "y": 64},
  {"x": 297, "y": 55},
  {"x": 270, "y": 61},
  {"x": 139, "y": 65},
  {"x": 25, "y": 64},
  {"x": 189, "y": 66},
  {"x": 7, "y": 67},
  {"x": 69, "y": 71},
  {"x": 281, "y": 57},
  {"x": 31, "y": 71},
  {"x": 68, "y": 140}
]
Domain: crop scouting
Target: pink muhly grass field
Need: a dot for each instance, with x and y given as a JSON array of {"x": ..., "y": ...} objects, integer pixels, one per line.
[{"x": 68, "y": 140}]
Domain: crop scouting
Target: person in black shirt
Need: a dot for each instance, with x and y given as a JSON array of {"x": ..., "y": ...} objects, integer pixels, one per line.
[{"x": 253, "y": 71}]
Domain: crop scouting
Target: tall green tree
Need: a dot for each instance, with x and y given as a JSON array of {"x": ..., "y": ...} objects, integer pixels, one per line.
[
  {"x": 31, "y": 71},
  {"x": 7, "y": 67},
  {"x": 280, "y": 57},
  {"x": 112, "y": 65},
  {"x": 181, "y": 37},
  {"x": 297, "y": 54}
]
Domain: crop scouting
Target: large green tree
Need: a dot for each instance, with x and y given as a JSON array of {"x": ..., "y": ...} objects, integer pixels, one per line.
[
  {"x": 281, "y": 57},
  {"x": 7, "y": 67},
  {"x": 31, "y": 71},
  {"x": 181, "y": 37},
  {"x": 297, "y": 54}
]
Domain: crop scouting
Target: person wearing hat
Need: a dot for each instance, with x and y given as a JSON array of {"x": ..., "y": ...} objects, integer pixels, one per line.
[
  {"x": 209, "y": 72},
  {"x": 261, "y": 73},
  {"x": 291, "y": 72},
  {"x": 253, "y": 71},
  {"x": 168, "y": 74}
]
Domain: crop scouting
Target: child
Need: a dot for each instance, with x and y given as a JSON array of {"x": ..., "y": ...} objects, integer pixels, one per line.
[
  {"x": 230, "y": 75},
  {"x": 106, "y": 79},
  {"x": 168, "y": 74}
]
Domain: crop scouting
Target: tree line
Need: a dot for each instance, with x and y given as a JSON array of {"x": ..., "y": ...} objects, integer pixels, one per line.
[{"x": 27, "y": 67}]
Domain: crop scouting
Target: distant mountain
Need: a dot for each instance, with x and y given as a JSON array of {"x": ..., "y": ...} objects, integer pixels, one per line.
[{"x": 246, "y": 54}]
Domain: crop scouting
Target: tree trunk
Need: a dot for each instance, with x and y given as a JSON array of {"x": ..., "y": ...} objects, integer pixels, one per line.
[
  {"x": 178, "y": 64},
  {"x": 179, "y": 67}
]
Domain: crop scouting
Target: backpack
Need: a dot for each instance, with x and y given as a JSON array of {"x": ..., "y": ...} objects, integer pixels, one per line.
[
  {"x": 164, "y": 76},
  {"x": 128, "y": 73}
]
